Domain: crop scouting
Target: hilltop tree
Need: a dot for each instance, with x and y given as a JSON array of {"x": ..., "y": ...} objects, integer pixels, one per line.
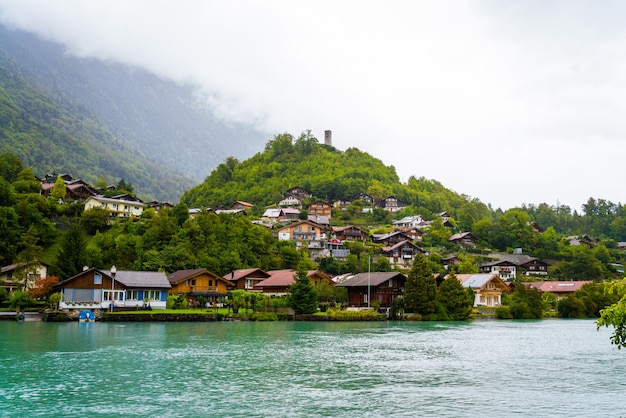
[{"x": 420, "y": 290}]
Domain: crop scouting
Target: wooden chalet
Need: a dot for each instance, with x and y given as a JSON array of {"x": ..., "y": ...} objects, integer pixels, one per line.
[
  {"x": 488, "y": 288},
  {"x": 246, "y": 278},
  {"x": 464, "y": 238},
  {"x": 384, "y": 287},
  {"x": 507, "y": 270},
  {"x": 402, "y": 254},
  {"x": 199, "y": 282},
  {"x": 349, "y": 233}
]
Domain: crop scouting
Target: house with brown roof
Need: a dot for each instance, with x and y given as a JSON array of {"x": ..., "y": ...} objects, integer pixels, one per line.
[
  {"x": 320, "y": 208},
  {"x": 391, "y": 238},
  {"x": 464, "y": 238},
  {"x": 507, "y": 270},
  {"x": 280, "y": 280},
  {"x": 246, "y": 278},
  {"x": 199, "y": 282},
  {"x": 299, "y": 193},
  {"x": 105, "y": 290},
  {"x": 301, "y": 231},
  {"x": 402, "y": 254},
  {"x": 241, "y": 205},
  {"x": 384, "y": 287},
  {"x": 488, "y": 288},
  {"x": 349, "y": 233},
  {"x": 534, "y": 266}
]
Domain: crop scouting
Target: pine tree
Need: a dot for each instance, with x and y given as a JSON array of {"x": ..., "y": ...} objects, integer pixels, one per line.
[
  {"x": 71, "y": 258},
  {"x": 302, "y": 294},
  {"x": 420, "y": 290},
  {"x": 455, "y": 298}
]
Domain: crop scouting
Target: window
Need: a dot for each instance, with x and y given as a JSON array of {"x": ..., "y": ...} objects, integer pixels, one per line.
[
  {"x": 97, "y": 278},
  {"x": 249, "y": 284},
  {"x": 193, "y": 282},
  {"x": 152, "y": 294},
  {"x": 112, "y": 295},
  {"x": 132, "y": 295}
]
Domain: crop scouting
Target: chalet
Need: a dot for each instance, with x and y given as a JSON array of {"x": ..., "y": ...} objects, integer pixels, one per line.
[
  {"x": 291, "y": 202},
  {"x": 320, "y": 208},
  {"x": 116, "y": 207},
  {"x": 487, "y": 288},
  {"x": 402, "y": 254},
  {"x": 22, "y": 276},
  {"x": 299, "y": 193},
  {"x": 199, "y": 282},
  {"x": 74, "y": 189},
  {"x": 391, "y": 204},
  {"x": 349, "y": 233},
  {"x": 104, "y": 290},
  {"x": 246, "y": 278},
  {"x": 450, "y": 261},
  {"x": 384, "y": 287},
  {"x": 408, "y": 222},
  {"x": 301, "y": 231},
  {"x": 507, "y": 270},
  {"x": 391, "y": 238},
  {"x": 341, "y": 203},
  {"x": 534, "y": 266},
  {"x": 157, "y": 206},
  {"x": 414, "y": 233},
  {"x": 464, "y": 238},
  {"x": 279, "y": 281},
  {"x": 241, "y": 206},
  {"x": 273, "y": 215},
  {"x": 365, "y": 198},
  {"x": 559, "y": 289}
]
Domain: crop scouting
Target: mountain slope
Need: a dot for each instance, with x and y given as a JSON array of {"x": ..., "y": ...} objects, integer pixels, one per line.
[{"x": 149, "y": 118}]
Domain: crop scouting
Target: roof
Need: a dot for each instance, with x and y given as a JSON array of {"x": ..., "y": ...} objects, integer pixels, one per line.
[
  {"x": 401, "y": 244},
  {"x": 12, "y": 267},
  {"x": 557, "y": 286},
  {"x": 180, "y": 275},
  {"x": 110, "y": 200},
  {"x": 478, "y": 281},
  {"x": 240, "y": 274},
  {"x": 150, "y": 279},
  {"x": 461, "y": 235},
  {"x": 371, "y": 278},
  {"x": 282, "y": 278},
  {"x": 499, "y": 263}
]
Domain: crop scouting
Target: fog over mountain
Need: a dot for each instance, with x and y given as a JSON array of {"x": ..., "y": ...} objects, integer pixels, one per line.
[{"x": 164, "y": 122}]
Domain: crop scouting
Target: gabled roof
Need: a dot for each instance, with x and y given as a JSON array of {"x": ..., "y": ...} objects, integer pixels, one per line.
[
  {"x": 103, "y": 199},
  {"x": 478, "y": 281},
  {"x": 291, "y": 225},
  {"x": 283, "y": 278},
  {"x": 402, "y": 244},
  {"x": 372, "y": 279},
  {"x": 136, "y": 279},
  {"x": 462, "y": 235},
  {"x": 180, "y": 275},
  {"x": 240, "y": 274},
  {"x": 12, "y": 267},
  {"x": 154, "y": 279},
  {"x": 378, "y": 238},
  {"x": 499, "y": 263},
  {"x": 557, "y": 286}
]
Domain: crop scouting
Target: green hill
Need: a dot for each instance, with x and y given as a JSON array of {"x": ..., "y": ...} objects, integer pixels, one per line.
[{"x": 328, "y": 174}]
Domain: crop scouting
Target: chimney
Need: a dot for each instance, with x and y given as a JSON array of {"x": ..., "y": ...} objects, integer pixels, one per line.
[{"x": 328, "y": 138}]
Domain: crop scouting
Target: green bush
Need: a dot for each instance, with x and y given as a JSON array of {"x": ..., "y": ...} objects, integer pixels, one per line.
[
  {"x": 176, "y": 302},
  {"x": 503, "y": 312},
  {"x": 264, "y": 316},
  {"x": 20, "y": 300}
]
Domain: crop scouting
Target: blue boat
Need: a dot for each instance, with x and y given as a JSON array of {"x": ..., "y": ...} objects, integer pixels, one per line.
[{"x": 86, "y": 316}]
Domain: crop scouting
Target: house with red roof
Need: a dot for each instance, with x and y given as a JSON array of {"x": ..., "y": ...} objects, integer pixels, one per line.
[
  {"x": 280, "y": 280},
  {"x": 246, "y": 278},
  {"x": 561, "y": 289}
]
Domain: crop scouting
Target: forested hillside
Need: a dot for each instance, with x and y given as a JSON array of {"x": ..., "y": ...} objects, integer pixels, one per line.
[
  {"x": 102, "y": 119},
  {"x": 328, "y": 174}
]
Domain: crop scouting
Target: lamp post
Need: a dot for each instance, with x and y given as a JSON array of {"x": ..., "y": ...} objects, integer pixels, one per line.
[{"x": 113, "y": 271}]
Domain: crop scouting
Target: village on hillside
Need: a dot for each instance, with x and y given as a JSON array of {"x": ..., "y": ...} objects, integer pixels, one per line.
[{"x": 308, "y": 222}]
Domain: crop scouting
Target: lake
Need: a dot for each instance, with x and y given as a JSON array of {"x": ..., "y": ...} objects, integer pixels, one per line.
[{"x": 300, "y": 369}]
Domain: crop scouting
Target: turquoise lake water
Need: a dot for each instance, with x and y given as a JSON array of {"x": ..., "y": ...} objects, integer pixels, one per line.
[{"x": 295, "y": 369}]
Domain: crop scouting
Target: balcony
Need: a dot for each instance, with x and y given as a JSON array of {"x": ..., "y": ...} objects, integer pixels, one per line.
[{"x": 204, "y": 289}]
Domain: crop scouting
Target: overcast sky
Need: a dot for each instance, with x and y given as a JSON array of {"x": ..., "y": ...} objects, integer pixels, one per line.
[{"x": 509, "y": 102}]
